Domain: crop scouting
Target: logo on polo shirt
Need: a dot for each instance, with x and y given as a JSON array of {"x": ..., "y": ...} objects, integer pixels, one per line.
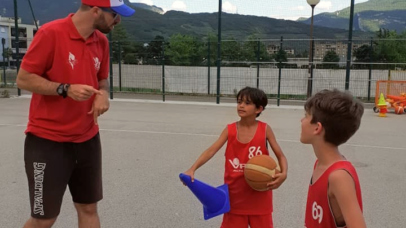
[
  {"x": 96, "y": 63},
  {"x": 72, "y": 60}
]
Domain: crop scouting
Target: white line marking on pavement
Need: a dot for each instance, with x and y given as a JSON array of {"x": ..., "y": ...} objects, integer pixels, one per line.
[{"x": 208, "y": 135}]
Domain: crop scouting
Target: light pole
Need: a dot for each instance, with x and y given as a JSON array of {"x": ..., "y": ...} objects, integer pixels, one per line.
[
  {"x": 219, "y": 52},
  {"x": 313, "y": 4}
]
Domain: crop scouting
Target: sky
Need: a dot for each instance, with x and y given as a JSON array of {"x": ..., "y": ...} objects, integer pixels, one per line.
[{"x": 283, "y": 9}]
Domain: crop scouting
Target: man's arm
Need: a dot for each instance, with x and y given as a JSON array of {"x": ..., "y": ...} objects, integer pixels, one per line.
[
  {"x": 35, "y": 83},
  {"x": 40, "y": 85},
  {"x": 342, "y": 186}
]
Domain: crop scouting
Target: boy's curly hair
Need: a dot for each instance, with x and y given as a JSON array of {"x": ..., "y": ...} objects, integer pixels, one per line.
[{"x": 338, "y": 112}]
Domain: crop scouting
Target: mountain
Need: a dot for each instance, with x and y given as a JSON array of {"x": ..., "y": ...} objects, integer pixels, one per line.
[
  {"x": 148, "y": 22},
  {"x": 368, "y": 16},
  {"x": 145, "y": 25},
  {"x": 155, "y": 9}
]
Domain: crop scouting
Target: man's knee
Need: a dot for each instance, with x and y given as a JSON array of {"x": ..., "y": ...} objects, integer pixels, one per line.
[
  {"x": 86, "y": 209},
  {"x": 39, "y": 223}
]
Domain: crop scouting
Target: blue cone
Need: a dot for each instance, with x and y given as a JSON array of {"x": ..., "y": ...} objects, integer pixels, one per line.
[{"x": 215, "y": 200}]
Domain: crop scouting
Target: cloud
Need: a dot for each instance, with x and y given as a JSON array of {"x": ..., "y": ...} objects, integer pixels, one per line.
[
  {"x": 324, "y": 5},
  {"x": 178, "y": 5},
  {"x": 284, "y": 17},
  {"x": 299, "y": 8},
  {"x": 148, "y": 2},
  {"x": 228, "y": 7}
]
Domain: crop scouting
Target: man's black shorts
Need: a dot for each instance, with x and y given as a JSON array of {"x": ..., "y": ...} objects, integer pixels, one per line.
[{"x": 51, "y": 166}]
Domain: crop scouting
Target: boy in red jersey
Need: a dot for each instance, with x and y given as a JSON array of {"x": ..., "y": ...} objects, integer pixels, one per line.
[
  {"x": 245, "y": 139},
  {"x": 66, "y": 68},
  {"x": 334, "y": 197}
]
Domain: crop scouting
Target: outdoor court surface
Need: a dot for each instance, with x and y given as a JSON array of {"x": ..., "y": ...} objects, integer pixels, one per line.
[{"x": 146, "y": 144}]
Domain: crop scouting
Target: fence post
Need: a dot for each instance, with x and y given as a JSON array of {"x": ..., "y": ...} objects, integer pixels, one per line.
[
  {"x": 111, "y": 65},
  {"x": 208, "y": 67},
  {"x": 258, "y": 59},
  {"x": 370, "y": 69},
  {"x": 280, "y": 75},
  {"x": 3, "y": 41},
  {"x": 219, "y": 52},
  {"x": 163, "y": 71},
  {"x": 17, "y": 42},
  {"x": 119, "y": 66},
  {"x": 349, "y": 50}
]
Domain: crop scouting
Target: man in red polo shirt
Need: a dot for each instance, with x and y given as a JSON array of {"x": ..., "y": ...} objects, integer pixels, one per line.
[{"x": 66, "y": 69}]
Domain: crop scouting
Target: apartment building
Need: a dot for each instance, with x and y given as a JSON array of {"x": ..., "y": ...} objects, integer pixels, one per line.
[{"x": 9, "y": 33}]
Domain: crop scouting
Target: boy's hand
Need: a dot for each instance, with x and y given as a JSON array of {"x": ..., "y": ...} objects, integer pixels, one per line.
[
  {"x": 279, "y": 178},
  {"x": 190, "y": 173}
]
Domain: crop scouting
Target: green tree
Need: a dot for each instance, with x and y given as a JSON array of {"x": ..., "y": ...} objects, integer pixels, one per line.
[
  {"x": 185, "y": 50},
  {"x": 281, "y": 57},
  {"x": 155, "y": 49},
  {"x": 231, "y": 51},
  {"x": 250, "y": 50},
  {"x": 390, "y": 47},
  {"x": 330, "y": 60}
]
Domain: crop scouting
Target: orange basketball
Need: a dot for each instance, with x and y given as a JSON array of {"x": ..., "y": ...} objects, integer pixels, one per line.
[
  {"x": 399, "y": 110},
  {"x": 259, "y": 171}
]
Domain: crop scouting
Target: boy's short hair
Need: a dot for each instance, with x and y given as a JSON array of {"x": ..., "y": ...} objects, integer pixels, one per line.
[
  {"x": 338, "y": 112},
  {"x": 256, "y": 96}
]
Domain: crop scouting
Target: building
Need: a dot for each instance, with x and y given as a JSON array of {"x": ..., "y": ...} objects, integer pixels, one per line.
[
  {"x": 340, "y": 48},
  {"x": 273, "y": 49},
  {"x": 8, "y": 33}
]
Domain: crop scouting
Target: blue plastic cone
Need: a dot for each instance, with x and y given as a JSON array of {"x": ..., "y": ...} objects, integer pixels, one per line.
[{"x": 215, "y": 200}]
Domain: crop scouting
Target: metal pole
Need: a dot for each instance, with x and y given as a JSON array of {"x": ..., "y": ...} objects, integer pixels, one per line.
[
  {"x": 119, "y": 66},
  {"x": 17, "y": 43},
  {"x": 163, "y": 71},
  {"x": 219, "y": 53},
  {"x": 310, "y": 78},
  {"x": 280, "y": 74},
  {"x": 208, "y": 67},
  {"x": 3, "y": 41},
  {"x": 33, "y": 15},
  {"x": 258, "y": 58},
  {"x": 111, "y": 65},
  {"x": 349, "y": 50},
  {"x": 370, "y": 69}
]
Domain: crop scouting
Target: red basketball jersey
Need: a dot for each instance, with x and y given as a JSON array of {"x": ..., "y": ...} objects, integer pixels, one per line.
[
  {"x": 243, "y": 199},
  {"x": 318, "y": 211}
]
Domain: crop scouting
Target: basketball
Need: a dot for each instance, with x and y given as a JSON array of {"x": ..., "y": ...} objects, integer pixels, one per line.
[
  {"x": 399, "y": 110},
  {"x": 259, "y": 171}
]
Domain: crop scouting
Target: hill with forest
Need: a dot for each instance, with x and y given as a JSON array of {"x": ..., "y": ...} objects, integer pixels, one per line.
[
  {"x": 149, "y": 22},
  {"x": 368, "y": 16}
]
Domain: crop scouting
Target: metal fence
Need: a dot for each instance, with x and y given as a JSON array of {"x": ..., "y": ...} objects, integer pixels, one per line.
[
  {"x": 165, "y": 71},
  {"x": 279, "y": 67}
]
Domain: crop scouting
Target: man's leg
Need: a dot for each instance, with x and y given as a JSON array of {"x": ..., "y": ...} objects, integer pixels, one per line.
[
  {"x": 48, "y": 166},
  {"x": 87, "y": 215},
  {"x": 85, "y": 183},
  {"x": 39, "y": 223}
]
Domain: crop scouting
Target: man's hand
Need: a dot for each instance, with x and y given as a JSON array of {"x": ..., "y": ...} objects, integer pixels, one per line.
[
  {"x": 100, "y": 105},
  {"x": 82, "y": 92}
]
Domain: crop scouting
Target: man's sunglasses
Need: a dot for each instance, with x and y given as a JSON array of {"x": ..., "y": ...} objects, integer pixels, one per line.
[{"x": 115, "y": 15}]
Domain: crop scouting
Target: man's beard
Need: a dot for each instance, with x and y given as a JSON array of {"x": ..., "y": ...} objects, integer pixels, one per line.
[{"x": 103, "y": 28}]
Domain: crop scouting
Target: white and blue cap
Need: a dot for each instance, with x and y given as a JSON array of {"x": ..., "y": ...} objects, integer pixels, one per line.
[{"x": 117, "y": 6}]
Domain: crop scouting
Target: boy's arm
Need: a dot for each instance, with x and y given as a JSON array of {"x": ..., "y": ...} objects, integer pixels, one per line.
[
  {"x": 342, "y": 186},
  {"x": 283, "y": 163},
  {"x": 208, "y": 153}
]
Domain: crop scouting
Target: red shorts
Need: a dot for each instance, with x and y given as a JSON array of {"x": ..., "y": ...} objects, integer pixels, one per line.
[{"x": 243, "y": 221}]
